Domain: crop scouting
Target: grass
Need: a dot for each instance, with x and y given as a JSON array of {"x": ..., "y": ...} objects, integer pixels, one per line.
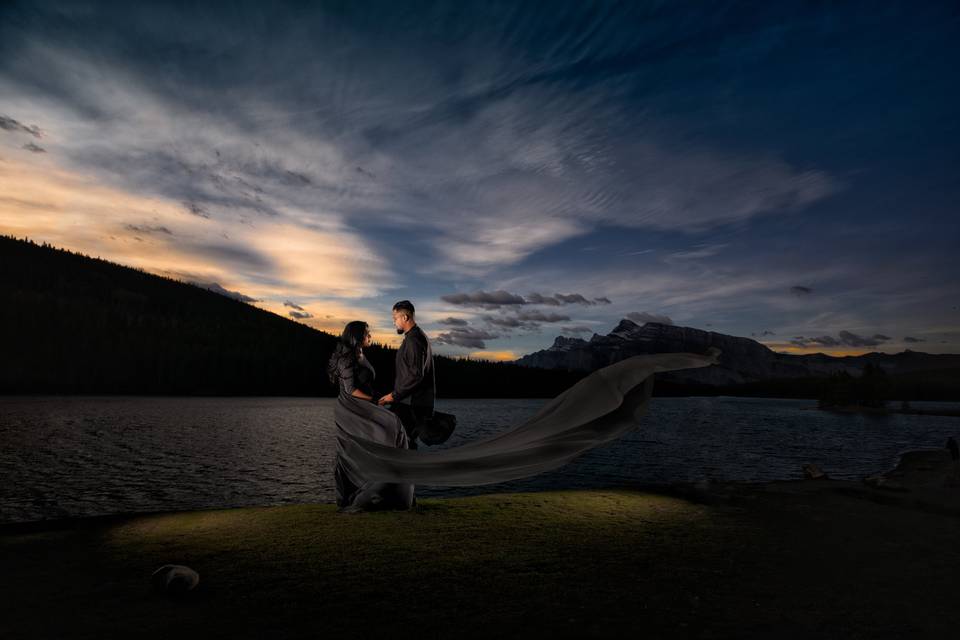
[{"x": 755, "y": 563}]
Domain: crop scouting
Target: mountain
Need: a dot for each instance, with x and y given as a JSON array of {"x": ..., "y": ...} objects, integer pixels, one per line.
[
  {"x": 74, "y": 324},
  {"x": 743, "y": 360}
]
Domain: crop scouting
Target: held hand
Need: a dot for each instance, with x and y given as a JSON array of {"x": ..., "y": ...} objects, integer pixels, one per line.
[{"x": 387, "y": 399}]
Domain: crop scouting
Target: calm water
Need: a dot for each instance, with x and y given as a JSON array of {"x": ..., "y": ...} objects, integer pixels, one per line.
[{"x": 71, "y": 456}]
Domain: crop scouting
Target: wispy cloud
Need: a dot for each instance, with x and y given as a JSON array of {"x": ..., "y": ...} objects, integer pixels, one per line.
[
  {"x": 577, "y": 329},
  {"x": 501, "y": 298},
  {"x": 845, "y": 338},
  {"x": 700, "y": 251},
  {"x": 10, "y": 124},
  {"x": 465, "y": 337}
]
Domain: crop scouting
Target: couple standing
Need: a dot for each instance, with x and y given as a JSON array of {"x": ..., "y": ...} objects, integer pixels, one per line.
[
  {"x": 375, "y": 468},
  {"x": 360, "y": 414}
]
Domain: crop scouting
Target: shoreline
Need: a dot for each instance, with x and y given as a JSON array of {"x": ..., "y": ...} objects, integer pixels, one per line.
[
  {"x": 917, "y": 471},
  {"x": 696, "y": 492}
]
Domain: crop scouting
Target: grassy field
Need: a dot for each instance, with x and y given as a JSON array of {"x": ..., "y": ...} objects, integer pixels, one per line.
[{"x": 813, "y": 559}]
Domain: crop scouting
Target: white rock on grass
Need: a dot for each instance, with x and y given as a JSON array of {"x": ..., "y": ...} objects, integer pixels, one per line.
[{"x": 175, "y": 579}]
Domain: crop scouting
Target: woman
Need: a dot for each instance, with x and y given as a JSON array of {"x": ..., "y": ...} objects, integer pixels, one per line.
[{"x": 358, "y": 416}]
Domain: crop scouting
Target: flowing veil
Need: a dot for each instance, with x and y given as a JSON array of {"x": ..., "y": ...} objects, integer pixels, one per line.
[{"x": 601, "y": 407}]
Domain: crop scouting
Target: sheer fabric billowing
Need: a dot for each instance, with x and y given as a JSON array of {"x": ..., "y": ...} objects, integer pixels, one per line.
[{"x": 601, "y": 407}]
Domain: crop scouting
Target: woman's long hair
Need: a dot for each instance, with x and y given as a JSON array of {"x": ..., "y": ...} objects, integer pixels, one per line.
[{"x": 348, "y": 347}]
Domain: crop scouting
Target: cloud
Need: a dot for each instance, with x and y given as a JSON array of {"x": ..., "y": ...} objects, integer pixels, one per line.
[
  {"x": 845, "y": 338},
  {"x": 454, "y": 322},
  {"x": 526, "y": 320},
  {"x": 34, "y": 148},
  {"x": 299, "y": 315},
  {"x": 824, "y": 341},
  {"x": 508, "y": 322},
  {"x": 493, "y": 299},
  {"x": 762, "y": 334},
  {"x": 500, "y": 298},
  {"x": 195, "y": 209},
  {"x": 911, "y": 339},
  {"x": 537, "y": 298},
  {"x": 853, "y": 340},
  {"x": 540, "y": 316},
  {"x": 576, "y": 329},
  {"x": 558, "y": 299},
  {"x": 9, "y": 124},
  {"x": 465, "y": 337},
  {"x": 699, "y": 251},
  {"x": 800, "y": 291},
  {"x": 494, "y": 166},
  {"x": 235, "y": 255},
  {"x": 293, "y": 305},
  {"x": 143, "y": 228},
  {"x": 644, "y": 316}
]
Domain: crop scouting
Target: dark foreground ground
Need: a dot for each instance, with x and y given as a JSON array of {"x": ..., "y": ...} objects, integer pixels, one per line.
[{"x": 805, "y": 559}]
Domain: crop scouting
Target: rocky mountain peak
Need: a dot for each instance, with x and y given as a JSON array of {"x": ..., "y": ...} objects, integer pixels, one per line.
[
  {"x": 625, "y": 329},
  {"x": 563, "y": 343}
]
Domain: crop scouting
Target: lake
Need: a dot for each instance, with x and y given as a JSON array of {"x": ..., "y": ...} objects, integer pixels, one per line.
[{"x": 81, "y": 456}]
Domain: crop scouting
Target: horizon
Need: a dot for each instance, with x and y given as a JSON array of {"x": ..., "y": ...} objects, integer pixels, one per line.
[{"x": 780, "y": 173}]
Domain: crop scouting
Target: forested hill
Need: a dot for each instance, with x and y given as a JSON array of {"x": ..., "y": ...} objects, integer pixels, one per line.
[{"x": 79, "y": 325}]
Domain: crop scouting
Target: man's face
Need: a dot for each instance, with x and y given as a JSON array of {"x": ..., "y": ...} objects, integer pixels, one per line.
[{"x": 398, "y": 319}]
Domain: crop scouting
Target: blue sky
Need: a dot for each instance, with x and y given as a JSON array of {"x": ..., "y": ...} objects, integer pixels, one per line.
[{"x": 782, "y": 171}]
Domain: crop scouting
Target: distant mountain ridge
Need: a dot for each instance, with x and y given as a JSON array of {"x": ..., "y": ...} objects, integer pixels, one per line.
[{"x": 743, "y": 360}]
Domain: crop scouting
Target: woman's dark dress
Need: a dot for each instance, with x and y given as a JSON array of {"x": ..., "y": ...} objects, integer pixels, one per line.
[{"x": 365, "y": 420}]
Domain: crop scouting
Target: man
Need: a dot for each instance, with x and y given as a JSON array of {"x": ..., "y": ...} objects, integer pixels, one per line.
[{"x": 414, "y": 389}]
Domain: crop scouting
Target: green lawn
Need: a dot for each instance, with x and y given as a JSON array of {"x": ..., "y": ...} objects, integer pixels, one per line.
[{"x": 598, "y": 563}]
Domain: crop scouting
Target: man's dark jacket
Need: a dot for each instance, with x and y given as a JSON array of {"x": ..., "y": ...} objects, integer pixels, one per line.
[
  {"x": 414, "y": 387},
  {"x": 415, "y": 383}
]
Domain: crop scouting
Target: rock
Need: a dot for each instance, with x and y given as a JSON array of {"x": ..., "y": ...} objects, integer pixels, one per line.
[
  {"x": 174, "y": 579},
  {"x": 813, "y": 472}
]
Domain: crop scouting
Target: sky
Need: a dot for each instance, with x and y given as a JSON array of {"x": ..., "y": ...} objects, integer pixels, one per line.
[{"x": 785, "y": 171}]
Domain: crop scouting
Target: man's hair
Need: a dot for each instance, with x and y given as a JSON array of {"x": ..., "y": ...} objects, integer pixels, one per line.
[{"x": 404, "y": 306}]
